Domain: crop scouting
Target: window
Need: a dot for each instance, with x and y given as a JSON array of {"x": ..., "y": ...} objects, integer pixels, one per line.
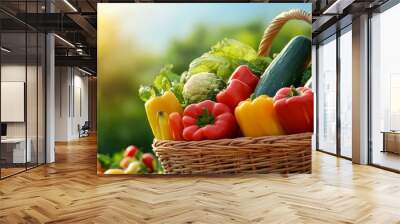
[
  {"x": 346, "y": 92},
  {"x": 385, "y": 89},
  {"x": 327, "y": 95}
]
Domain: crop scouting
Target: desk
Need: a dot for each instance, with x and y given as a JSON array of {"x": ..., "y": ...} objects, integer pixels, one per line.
[
  {"x": 16, "y": 147},
  {"x": 391, "y": 141}
]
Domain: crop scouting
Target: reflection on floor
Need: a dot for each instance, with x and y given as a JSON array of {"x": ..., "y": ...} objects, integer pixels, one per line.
[
  {"x": 13, "y": 169},
  {"x": 10, "y": 171},
  {"x": 386, "y": 159}
]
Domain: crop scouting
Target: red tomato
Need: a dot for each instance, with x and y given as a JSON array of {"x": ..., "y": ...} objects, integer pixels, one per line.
[
  {"x": 147, "y": 159},
  {"x": 130, "y": 151}
]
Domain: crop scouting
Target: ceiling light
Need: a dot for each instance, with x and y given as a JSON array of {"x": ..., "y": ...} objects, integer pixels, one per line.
[
  {"x": 337, "y": 7},
  {"x": 84, "y": 71},
  {"x": 65, "y": 41},
  {"x": 80, "y": 51},
  {"x": 5, "y": 50},
  {"x": 70, "y": 5}
]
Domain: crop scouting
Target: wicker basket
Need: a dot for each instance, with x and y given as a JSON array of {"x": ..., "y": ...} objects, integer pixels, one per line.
[{"x": 268, "y": 154}]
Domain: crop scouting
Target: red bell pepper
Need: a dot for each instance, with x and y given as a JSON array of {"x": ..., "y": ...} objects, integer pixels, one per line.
[
  {"x": 241, "y": 85},
  {"x": 208, "y": 120},
  {"x": 175, "y": 125},
  {"x": 244, "y": 74},
  {"x": 236, "y": 92},
  {"x": 295, "y": 109}
]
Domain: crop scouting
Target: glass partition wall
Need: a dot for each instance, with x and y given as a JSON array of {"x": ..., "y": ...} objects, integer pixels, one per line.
[
  {"x": 13, "y": 110},
  {"x": 22, "y": 98},
  {"x": 334, "y": 93}
]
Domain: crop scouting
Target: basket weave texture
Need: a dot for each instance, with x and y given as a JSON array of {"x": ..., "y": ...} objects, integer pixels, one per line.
[{"x": 270, "y": 154}]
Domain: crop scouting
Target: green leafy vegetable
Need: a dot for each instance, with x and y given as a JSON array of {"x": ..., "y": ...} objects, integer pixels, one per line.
[
  {"x": 145, "y": 92},
  {"x": 233, "y": 49},
  {"x": 104, "y": 160},
  {"x": 306, "y": 76},
  {"x": 225, "y": 57},
  {"x": 164, "y": 81},
  {"x": 259, "y": 65},
  {"x": 219, "y": 65},
  {"x": 116, "y": 158}
]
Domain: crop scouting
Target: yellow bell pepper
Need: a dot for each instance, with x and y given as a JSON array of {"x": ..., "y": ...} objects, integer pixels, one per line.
[
  {"x": 163, "y": 125},
  {"x": 166, "y": 103},
  {"x": 258, "y": 117}
]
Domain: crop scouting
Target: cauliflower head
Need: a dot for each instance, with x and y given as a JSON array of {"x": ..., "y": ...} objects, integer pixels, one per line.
[{"x": 202, "y": 86}]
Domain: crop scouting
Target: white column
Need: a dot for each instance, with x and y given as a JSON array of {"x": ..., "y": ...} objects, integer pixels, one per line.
[
  {"x": 360, "y": 90},
  {"x": 314, "y": 87},
  {"x": 50, "y": 92},
  {"x": 50, "y": 100}
]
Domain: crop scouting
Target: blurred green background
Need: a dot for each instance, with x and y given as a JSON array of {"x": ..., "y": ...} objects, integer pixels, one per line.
[{"x": 136, "y": 40}]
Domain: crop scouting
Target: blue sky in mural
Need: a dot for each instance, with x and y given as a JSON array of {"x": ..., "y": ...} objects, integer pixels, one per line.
[{"x": 154, "y": 25}]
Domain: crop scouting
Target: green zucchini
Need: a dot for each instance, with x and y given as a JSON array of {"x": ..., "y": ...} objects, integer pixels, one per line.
[{"x": 287, "y": 68}]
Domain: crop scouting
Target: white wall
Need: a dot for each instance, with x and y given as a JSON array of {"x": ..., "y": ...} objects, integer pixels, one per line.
[
  {"x": 81, "y": 104},
  {"x": 71, "y": 94},
  {"x": 62, "y": 81},
  {"x": 16, "y": 73}
]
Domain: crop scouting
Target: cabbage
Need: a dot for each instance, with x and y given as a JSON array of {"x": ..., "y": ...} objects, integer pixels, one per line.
[{"x": 225, "y": 57}]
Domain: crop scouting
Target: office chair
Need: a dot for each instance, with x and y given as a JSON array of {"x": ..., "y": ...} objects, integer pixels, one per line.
[{"x": 84, "y": 130}]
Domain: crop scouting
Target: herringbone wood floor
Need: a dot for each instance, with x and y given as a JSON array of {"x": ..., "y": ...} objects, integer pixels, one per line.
[{"x": 70, "y": 192}]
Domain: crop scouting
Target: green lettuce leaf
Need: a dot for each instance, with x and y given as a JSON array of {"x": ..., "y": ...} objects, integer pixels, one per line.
[
  {"x": 164, "y": 81},
  {"x": 259, "y": 65},
  {"x": 233, "y": 49},
  {"x": 219, "y": 65},
  {"x": 224, "y": 57}
]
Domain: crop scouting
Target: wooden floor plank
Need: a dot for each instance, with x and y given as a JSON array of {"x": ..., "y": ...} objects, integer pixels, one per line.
[{"x": 69, "y": 191}]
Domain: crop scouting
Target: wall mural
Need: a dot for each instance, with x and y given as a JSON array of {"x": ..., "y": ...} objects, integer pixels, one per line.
[{"x": 204, "y": 88}]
